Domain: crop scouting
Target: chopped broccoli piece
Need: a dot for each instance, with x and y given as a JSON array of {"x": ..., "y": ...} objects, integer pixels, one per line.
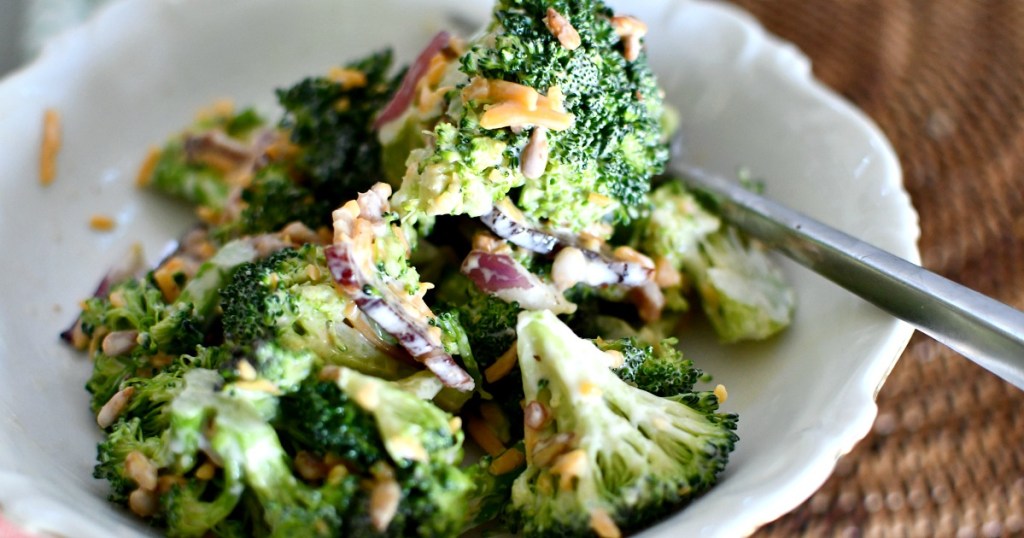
[
  {"x": 659, "y": 369},
  {"x": 598, "y": 166},
  {"x": 125, "y": 437},
  {"x": 331, "y": 122},
  {"x": 386, "y": 435},
  {"x": 741, "y": 289},
  {"x": 289, "y": 299},
  {"x": 606, "y": 454}
]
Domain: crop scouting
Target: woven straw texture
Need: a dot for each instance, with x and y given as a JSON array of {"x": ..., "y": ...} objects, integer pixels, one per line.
[{"x": 944, "y": 79}]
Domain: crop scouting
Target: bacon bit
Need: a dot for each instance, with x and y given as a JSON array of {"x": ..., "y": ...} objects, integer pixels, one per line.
[
  {"x": 503, "y": 365},
  {"x": 348, "y": 79},
  {"x": 603, "y": 524},
  {"x": 165, "y": 277},
  {"x": 721, "y": 393},
  {"x": 50, "y": 147},
  {"x": 507, "y": 462},
  {"x": 148, "y": 166},
  {"x": 384, "y": 500},
  {"x": 102, "y": 223},
  {"x": 114, "y": 407},
  {"x": 631, "y": 30},
  {"x": 484, "y": 436},
  {"x": 515, "y": 115},
  {"x": 562, "y": 29},
  {"x": 138, "y": 467},
  {"x": 665, "y": 274},
  {"x": 144, "y": 503}
]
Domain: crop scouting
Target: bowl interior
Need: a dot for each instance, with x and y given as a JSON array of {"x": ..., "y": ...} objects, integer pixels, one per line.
[{"x": 140, "y": 70}]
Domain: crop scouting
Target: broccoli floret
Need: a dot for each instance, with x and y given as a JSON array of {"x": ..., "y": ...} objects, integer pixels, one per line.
[
  {"x": 392, "y": 439},
  {"x": 741, "y": 289},
  {"x": 249, "y": 455},
  {"x": 330, "y": 120},
  {"x": 125, "y": 437},
  {"x": 599, "y": 162},
  {"x": 659, "y": 369},
  {"x": 289, "y": 299},
  {"x": 489, "y": 322},
  {"x": 333, "y": 154},
  {"x": 603, "y": 454}
]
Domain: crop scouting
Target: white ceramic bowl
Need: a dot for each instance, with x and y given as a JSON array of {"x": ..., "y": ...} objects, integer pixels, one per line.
[{"x": 139, "y": 71}]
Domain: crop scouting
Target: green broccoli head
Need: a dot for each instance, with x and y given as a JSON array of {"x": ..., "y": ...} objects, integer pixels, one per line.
[
  {"x": 125, "y": 438},
  {"x": 330, "y": 120},
  {"x": 573, "y": 131},
  {"x": 742, "y": 290},
  {"x": 602, "y": 454},
  {"x": 659, "y": 369},
  {"x": 289, "y": 299},
  {"x": 211, "y": 417},
  {"x": 401, "y": 445},
  {"x": 247, "y": 178}
]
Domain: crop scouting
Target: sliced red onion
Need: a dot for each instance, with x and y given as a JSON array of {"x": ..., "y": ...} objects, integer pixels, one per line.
[
  {"x": 403, "y": 97},
  {"x": 378, "y": 303},
  {"x": 505, "y": 225},
  {"x": 217, "y": 146},
  {"x": 504, "y": 277},
  {"x": 595, "y": 269}
]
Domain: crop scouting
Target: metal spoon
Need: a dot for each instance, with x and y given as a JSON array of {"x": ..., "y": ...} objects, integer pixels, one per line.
[{"x": 982, "y": 329}]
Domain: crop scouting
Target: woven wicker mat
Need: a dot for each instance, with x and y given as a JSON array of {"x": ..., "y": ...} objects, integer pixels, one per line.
[{"x": 944, "y": 79}]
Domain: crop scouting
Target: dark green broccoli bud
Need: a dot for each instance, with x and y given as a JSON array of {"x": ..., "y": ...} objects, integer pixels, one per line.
[
  {"x": 331, "y": 123},
  {"x": 492, "y": 492},
  {"x": 196, "y": 506},
  {"x": 658, "y": 369},
  {"x": 489, "y": 322},
  {"x": 275, "y": 198},
  {"x": 600, "y": 160},
  {"x": 290, "y": 300},
  {"x": 392, "y": 439},
  {"x": 126, "y": 437},
  {"x": 323, "y": 419},
  {"x": 602, "y": 453}
]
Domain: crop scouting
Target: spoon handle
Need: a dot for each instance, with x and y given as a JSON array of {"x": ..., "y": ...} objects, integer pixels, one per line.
[{"x": 982, "y": 329}]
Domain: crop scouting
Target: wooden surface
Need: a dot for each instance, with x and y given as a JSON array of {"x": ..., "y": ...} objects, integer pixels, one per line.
[{"x": 944, "y": 79}]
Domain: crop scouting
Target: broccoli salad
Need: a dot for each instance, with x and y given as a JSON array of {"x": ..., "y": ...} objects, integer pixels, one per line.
[{"x": 428, "y": 299}]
